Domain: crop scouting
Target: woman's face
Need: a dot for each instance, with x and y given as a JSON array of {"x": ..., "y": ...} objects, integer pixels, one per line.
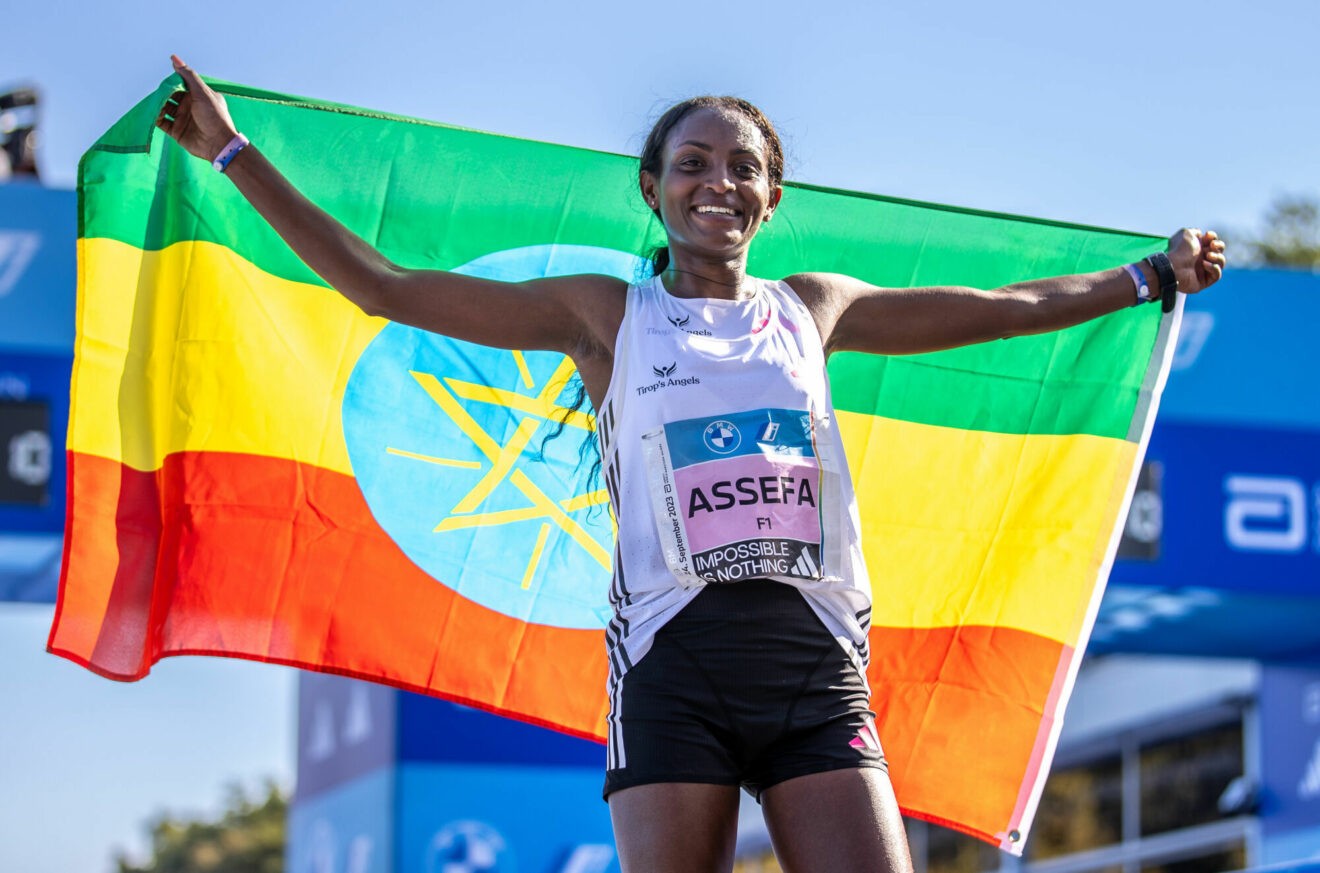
[{"x": 714, "y": 188}]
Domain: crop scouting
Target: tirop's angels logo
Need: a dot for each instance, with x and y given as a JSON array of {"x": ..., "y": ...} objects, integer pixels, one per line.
[
  {"x": 471, "y": 459},
  {"x": 664, "y": 372}
]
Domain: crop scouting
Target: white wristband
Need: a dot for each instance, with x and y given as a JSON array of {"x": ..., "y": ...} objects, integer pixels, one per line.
[
  {"x": 226, "y": 155},
  {"x": 1143, "y": 289}
]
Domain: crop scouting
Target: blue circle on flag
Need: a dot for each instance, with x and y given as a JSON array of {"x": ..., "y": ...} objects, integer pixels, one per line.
[
  {"x": 460, "y": 455},
  {"x": 721, "y": 437}
]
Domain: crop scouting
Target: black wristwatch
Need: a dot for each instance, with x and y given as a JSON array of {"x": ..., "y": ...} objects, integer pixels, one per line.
[{"x": 1163, "y": 267}]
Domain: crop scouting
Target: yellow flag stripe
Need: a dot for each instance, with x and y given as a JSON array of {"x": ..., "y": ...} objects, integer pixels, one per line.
[
  {"x": 1030, "y": 516},
  {"x": 267, "y": 358}
]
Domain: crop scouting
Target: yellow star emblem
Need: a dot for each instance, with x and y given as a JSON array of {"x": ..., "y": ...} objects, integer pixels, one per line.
[{"x": 502, "y": 460}]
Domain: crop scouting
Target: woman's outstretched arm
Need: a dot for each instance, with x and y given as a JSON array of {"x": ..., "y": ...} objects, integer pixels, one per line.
[
  {"x": 540, "y": 314},
  {"x": 855, "y": 316}
]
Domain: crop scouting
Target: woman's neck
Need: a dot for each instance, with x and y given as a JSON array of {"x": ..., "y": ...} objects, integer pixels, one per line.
[{"x": 727, "y": 280}]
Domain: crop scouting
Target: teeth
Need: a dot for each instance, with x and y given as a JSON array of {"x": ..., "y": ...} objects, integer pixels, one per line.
[{"x": 716, "y": 210}]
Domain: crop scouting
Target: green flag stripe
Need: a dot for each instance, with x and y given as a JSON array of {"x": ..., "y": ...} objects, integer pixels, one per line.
[{"x": 433, "y": 196}]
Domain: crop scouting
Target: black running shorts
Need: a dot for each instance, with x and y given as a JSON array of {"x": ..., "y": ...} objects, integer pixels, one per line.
[{"x": 744, "y": 687}]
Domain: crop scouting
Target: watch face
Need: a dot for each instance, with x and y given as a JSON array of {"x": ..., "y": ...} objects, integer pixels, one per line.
[{"x": 25, "y": 453}]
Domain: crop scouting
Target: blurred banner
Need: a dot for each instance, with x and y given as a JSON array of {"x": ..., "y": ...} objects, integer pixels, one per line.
[
  {"x": 1222, "y": 549},
  {"x": 1289, "y": 792},
  {"x": 38, "y": 233}
]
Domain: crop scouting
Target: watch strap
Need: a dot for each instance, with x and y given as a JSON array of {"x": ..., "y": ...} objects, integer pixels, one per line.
[{"x": 1168, "y": 280}]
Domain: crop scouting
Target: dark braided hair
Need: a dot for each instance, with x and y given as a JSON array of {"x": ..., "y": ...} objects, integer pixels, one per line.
[{"x": 652, "y": 157}]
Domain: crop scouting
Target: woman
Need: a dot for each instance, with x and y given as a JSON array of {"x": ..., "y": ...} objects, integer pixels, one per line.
[{"x": 706, "y": 367}]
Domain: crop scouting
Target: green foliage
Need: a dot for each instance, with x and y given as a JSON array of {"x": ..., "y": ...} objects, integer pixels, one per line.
[
  {"x": 1289, "y": 235},
  {"x": 248, "y": 838}
]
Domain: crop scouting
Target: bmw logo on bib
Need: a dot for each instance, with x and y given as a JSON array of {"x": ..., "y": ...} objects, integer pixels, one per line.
[{"x": 721, "y": 437}]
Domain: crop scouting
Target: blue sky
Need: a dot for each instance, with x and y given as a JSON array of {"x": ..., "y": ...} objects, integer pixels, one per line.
[{"x": 1126, "y": 114}]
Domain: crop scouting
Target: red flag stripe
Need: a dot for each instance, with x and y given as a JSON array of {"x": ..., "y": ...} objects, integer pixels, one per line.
[{"x": 301, "y": 576}]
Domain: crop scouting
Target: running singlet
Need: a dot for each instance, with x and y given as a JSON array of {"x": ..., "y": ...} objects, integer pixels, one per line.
[{"x": 723, "y": 462}]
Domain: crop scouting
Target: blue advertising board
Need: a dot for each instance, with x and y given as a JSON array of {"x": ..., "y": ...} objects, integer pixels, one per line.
[
  {"x": 347, "y": 728},
  {"x": 1222, "y": 552},
  {"x": 34, "y": 417},
  {"x": 349, "y": 829},
  {"x": 436, "y": 730},
  {"x": 1236, "y": 571},
  {"x": 38, "y": 241},
  {"x": 1239, "y": 510},
  {"x": 503, "y": 819},
  {"x": 38, "y": 248},
  {"x": 389, "y": 780},
  {"x": 1247, "y": 353}
]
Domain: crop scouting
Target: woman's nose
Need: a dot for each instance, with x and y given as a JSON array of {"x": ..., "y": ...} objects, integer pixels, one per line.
[{"x": 719, "y": 180}]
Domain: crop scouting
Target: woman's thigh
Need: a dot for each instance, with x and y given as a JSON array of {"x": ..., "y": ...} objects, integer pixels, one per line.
[
  {"x": 675, "y": 827},
  {"x": 838, "y": 821}
]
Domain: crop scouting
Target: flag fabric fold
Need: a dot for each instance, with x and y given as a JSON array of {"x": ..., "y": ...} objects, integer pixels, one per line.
[{"x": 259, "y": 470}]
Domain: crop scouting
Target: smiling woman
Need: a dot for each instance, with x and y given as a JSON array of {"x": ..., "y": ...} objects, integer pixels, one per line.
[
  {"x": 713, "y": 410},
  {"x": 757, "y": 154}
]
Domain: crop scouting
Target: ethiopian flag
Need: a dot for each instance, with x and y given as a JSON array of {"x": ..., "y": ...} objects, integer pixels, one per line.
[{"x": 259, "y": 470}]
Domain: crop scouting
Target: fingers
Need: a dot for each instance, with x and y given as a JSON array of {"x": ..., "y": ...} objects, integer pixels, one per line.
[
  {"x": 172, "y": 109},
  {"x": 190, "y": 78},
  {"x": 1213, "y": 260},
  {"x": 1213, "y": 248},
  {"x": 179, "y": 102}
]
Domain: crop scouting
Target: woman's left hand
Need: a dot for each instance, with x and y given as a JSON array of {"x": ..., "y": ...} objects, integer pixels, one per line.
[{"x": 1197, "y": 257}]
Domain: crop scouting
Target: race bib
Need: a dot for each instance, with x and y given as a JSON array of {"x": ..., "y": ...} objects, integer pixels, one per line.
[{"x": 737, "y": 496}]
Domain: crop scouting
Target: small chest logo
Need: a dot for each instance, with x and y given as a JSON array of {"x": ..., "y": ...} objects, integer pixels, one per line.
[
  {"x": 721, "y": 437},
  {"x": 677, "y": 323},
  {"x": 664, "y": 374}
]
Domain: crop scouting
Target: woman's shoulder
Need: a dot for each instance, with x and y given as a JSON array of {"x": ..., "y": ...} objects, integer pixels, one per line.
[
  {"x": 824, "y": 292},
  {"x": 826, "y": 296},
  {"x": 816, "y": 285}
]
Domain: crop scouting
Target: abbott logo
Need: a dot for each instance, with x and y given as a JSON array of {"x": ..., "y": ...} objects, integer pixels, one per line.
[
  {"x": 1265, "y": 513},
  {"x": 17, "y": 248}
]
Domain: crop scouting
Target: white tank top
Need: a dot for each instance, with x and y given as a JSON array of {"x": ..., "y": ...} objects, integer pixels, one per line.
[{"x": 723, "y": 461}]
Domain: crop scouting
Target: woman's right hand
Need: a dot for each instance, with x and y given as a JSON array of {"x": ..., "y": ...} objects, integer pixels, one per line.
[{"x": 197, "y": 118}]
